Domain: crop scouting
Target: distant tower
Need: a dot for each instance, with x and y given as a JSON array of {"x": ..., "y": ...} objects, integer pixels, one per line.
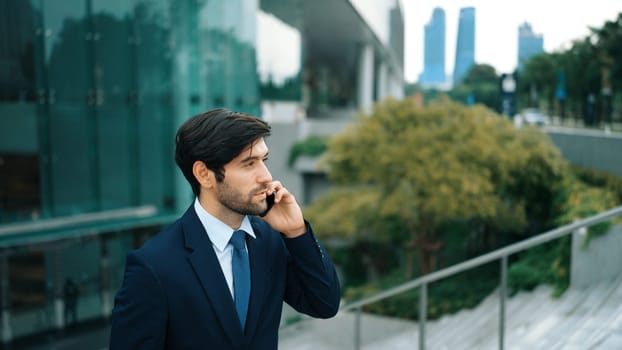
[
  {"x": 465, "y": 45},
  {"x": 529, "y": 44},
  {"x": 433, "y": 74}
]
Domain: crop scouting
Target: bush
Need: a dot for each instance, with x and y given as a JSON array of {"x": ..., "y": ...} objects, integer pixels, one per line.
[
  {"x": 446, "y": 296},
  {"x": 311, "y": 146}
]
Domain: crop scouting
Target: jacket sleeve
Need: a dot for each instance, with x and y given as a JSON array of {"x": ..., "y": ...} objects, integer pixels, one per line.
[
  {"x": 139, "y": 313},
  {"x": 312, "y": 283}
]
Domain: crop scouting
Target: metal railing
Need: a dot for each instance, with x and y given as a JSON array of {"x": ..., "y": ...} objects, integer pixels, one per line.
[{"x": 499, "y": 254}]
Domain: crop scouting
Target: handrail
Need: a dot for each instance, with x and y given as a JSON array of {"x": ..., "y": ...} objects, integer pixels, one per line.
[
  {"x": 501, "y": 253},
  {"x": 486, "y": 258}
]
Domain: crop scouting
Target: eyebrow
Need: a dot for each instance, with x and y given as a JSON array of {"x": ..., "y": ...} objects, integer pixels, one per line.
[{"x": 252, "y": 157}]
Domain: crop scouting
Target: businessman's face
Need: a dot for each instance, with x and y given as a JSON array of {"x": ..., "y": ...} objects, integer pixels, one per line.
[{"x": 243, "y": 190}]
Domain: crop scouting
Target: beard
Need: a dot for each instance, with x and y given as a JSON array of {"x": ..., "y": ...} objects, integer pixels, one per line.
[{"x": 240, "y": 203}]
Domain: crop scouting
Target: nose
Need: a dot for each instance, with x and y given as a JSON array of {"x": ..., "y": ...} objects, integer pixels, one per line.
[{"x": 264, "y": 175}]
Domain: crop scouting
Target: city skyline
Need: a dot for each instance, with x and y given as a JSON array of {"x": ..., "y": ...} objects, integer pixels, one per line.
[{"x": 497, "y": 25}]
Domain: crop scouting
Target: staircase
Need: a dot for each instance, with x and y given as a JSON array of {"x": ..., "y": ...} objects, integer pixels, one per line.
[
  {"x": 587, "y": 316},
  {"x": 580, "y": 319}
]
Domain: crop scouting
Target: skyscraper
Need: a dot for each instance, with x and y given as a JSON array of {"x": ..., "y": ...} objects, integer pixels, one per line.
[
  {"x": 529, "y": 44},
  {"x": 465, "y": 45},
  {"x": 433, "y": 74}
]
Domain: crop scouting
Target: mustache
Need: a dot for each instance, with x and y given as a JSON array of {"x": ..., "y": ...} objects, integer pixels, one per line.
[{"x": 261, "y": 188}]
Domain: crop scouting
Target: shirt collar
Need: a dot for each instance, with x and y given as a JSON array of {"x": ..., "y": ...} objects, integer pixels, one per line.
[{"x": 217, "y": 231}]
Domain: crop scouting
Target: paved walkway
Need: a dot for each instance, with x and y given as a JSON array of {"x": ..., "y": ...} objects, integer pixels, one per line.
[{"x": 92, "y": 336}]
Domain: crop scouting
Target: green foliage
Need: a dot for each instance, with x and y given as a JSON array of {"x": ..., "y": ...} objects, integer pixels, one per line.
[
  {"x": 311, "y": 146},
  {"x": 532, "y": 268},
  {"x": 548, "y": 263},
  {"x": 344, "y": 212},
  {"x": 577, "y": 200},
  {"x": 561, "y": 265},
  {"x": 600, "y": 179},
  {"x": 365, "y": 261},
  {"x": 411, "y": 88},
  {"x": 590, "y": 65},
  {"x": 535, "y": 79},
  {"x": 447, "y": 296},
  {"x": 424, "y": 166},
  {"x": 461, "y": 176},
  {"x": 407, "y": 153},
  {"x": 482, "y": 83},
  {"x": 573, "y": 200}
]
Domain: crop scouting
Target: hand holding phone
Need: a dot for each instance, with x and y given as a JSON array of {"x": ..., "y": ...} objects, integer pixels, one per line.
[{"x": 286, "y": 217}]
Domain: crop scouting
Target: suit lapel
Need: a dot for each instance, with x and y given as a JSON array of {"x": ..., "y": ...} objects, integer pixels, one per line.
[
  {"x": 259, "y": 260},
  {"x": 207, "y": 269}
]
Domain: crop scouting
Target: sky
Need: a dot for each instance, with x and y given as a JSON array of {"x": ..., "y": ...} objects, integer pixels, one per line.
[{"x": 496, "y": 27}]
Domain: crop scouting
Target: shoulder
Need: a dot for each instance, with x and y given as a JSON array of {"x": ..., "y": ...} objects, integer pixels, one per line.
[{"x": 162, "y": 243}]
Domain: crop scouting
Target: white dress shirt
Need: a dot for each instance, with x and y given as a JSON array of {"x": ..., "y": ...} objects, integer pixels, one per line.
[{"x": 220, "y": 234}]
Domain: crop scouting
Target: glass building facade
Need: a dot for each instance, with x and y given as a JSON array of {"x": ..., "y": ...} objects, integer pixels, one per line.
[{"x": 91, "y": 94}]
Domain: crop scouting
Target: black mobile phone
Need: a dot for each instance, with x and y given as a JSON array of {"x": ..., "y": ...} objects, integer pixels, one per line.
[{"x": 270, "y": 201}]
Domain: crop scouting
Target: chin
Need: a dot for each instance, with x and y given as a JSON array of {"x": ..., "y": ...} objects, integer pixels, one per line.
[{"x": 264, "y": 211}]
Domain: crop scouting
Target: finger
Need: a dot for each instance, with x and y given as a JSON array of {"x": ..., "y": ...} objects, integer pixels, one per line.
[
  {"x": 282, "y": 192},
  {"x": 274, "y": 187}
]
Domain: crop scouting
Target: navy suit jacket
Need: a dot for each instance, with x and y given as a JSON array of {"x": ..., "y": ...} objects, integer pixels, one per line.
[{"x": 174, "y": 294}]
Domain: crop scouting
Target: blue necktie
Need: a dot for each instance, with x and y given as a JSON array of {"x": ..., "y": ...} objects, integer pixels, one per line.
[{"x": 241, "y": 275}]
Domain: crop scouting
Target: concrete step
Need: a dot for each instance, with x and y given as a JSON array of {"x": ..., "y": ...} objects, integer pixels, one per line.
[
  {"x": 580, "y": 319},
  {"x": 338, "y": 333}
]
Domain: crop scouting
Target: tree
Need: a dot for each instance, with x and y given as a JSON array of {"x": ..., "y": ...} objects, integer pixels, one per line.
[
  {"x": 582, "y": 73},
  {"x": 609, "y": 40},
  {"x": 481, "y": 83},
  {"x": 592, "y": 69},
  {"x": 422, "y": 167},
  {"x": 609, "y": 47},
  {"x": 537, "y": 81}
]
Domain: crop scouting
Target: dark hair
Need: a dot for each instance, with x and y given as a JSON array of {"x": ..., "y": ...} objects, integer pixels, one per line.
[{"x": 215, "y": 138}]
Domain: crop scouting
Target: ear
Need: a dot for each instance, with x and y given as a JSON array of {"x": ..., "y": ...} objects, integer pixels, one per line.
[{"x": 204, "y": 176}]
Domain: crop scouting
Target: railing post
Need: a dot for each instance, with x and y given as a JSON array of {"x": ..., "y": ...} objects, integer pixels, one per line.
[
  {"x": 357, "y": 329},
  {"x": 502, "y": 296},
  {"x": 423, "y": 313}
]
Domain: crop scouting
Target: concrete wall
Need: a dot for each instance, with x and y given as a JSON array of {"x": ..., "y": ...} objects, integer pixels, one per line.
[
  {"x": 593, "y": 149},
  {"x": 598, "y": 261}
]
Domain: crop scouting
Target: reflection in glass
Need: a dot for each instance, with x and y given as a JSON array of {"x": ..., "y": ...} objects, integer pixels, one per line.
[
  {"x": 278, "y": 59},
  {"x": 227, "y": 54},
  {"x": 19, "y": 161},
  {"x": 71, "y": 131}
]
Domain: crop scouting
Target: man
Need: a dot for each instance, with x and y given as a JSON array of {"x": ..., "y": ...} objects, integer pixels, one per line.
[
  {"x": 70, "y": 295},
  {"x": 202, "y": 283}
]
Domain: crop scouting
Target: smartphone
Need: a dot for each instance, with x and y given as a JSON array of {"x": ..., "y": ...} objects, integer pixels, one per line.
[{"x": 270, "y": 201}]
